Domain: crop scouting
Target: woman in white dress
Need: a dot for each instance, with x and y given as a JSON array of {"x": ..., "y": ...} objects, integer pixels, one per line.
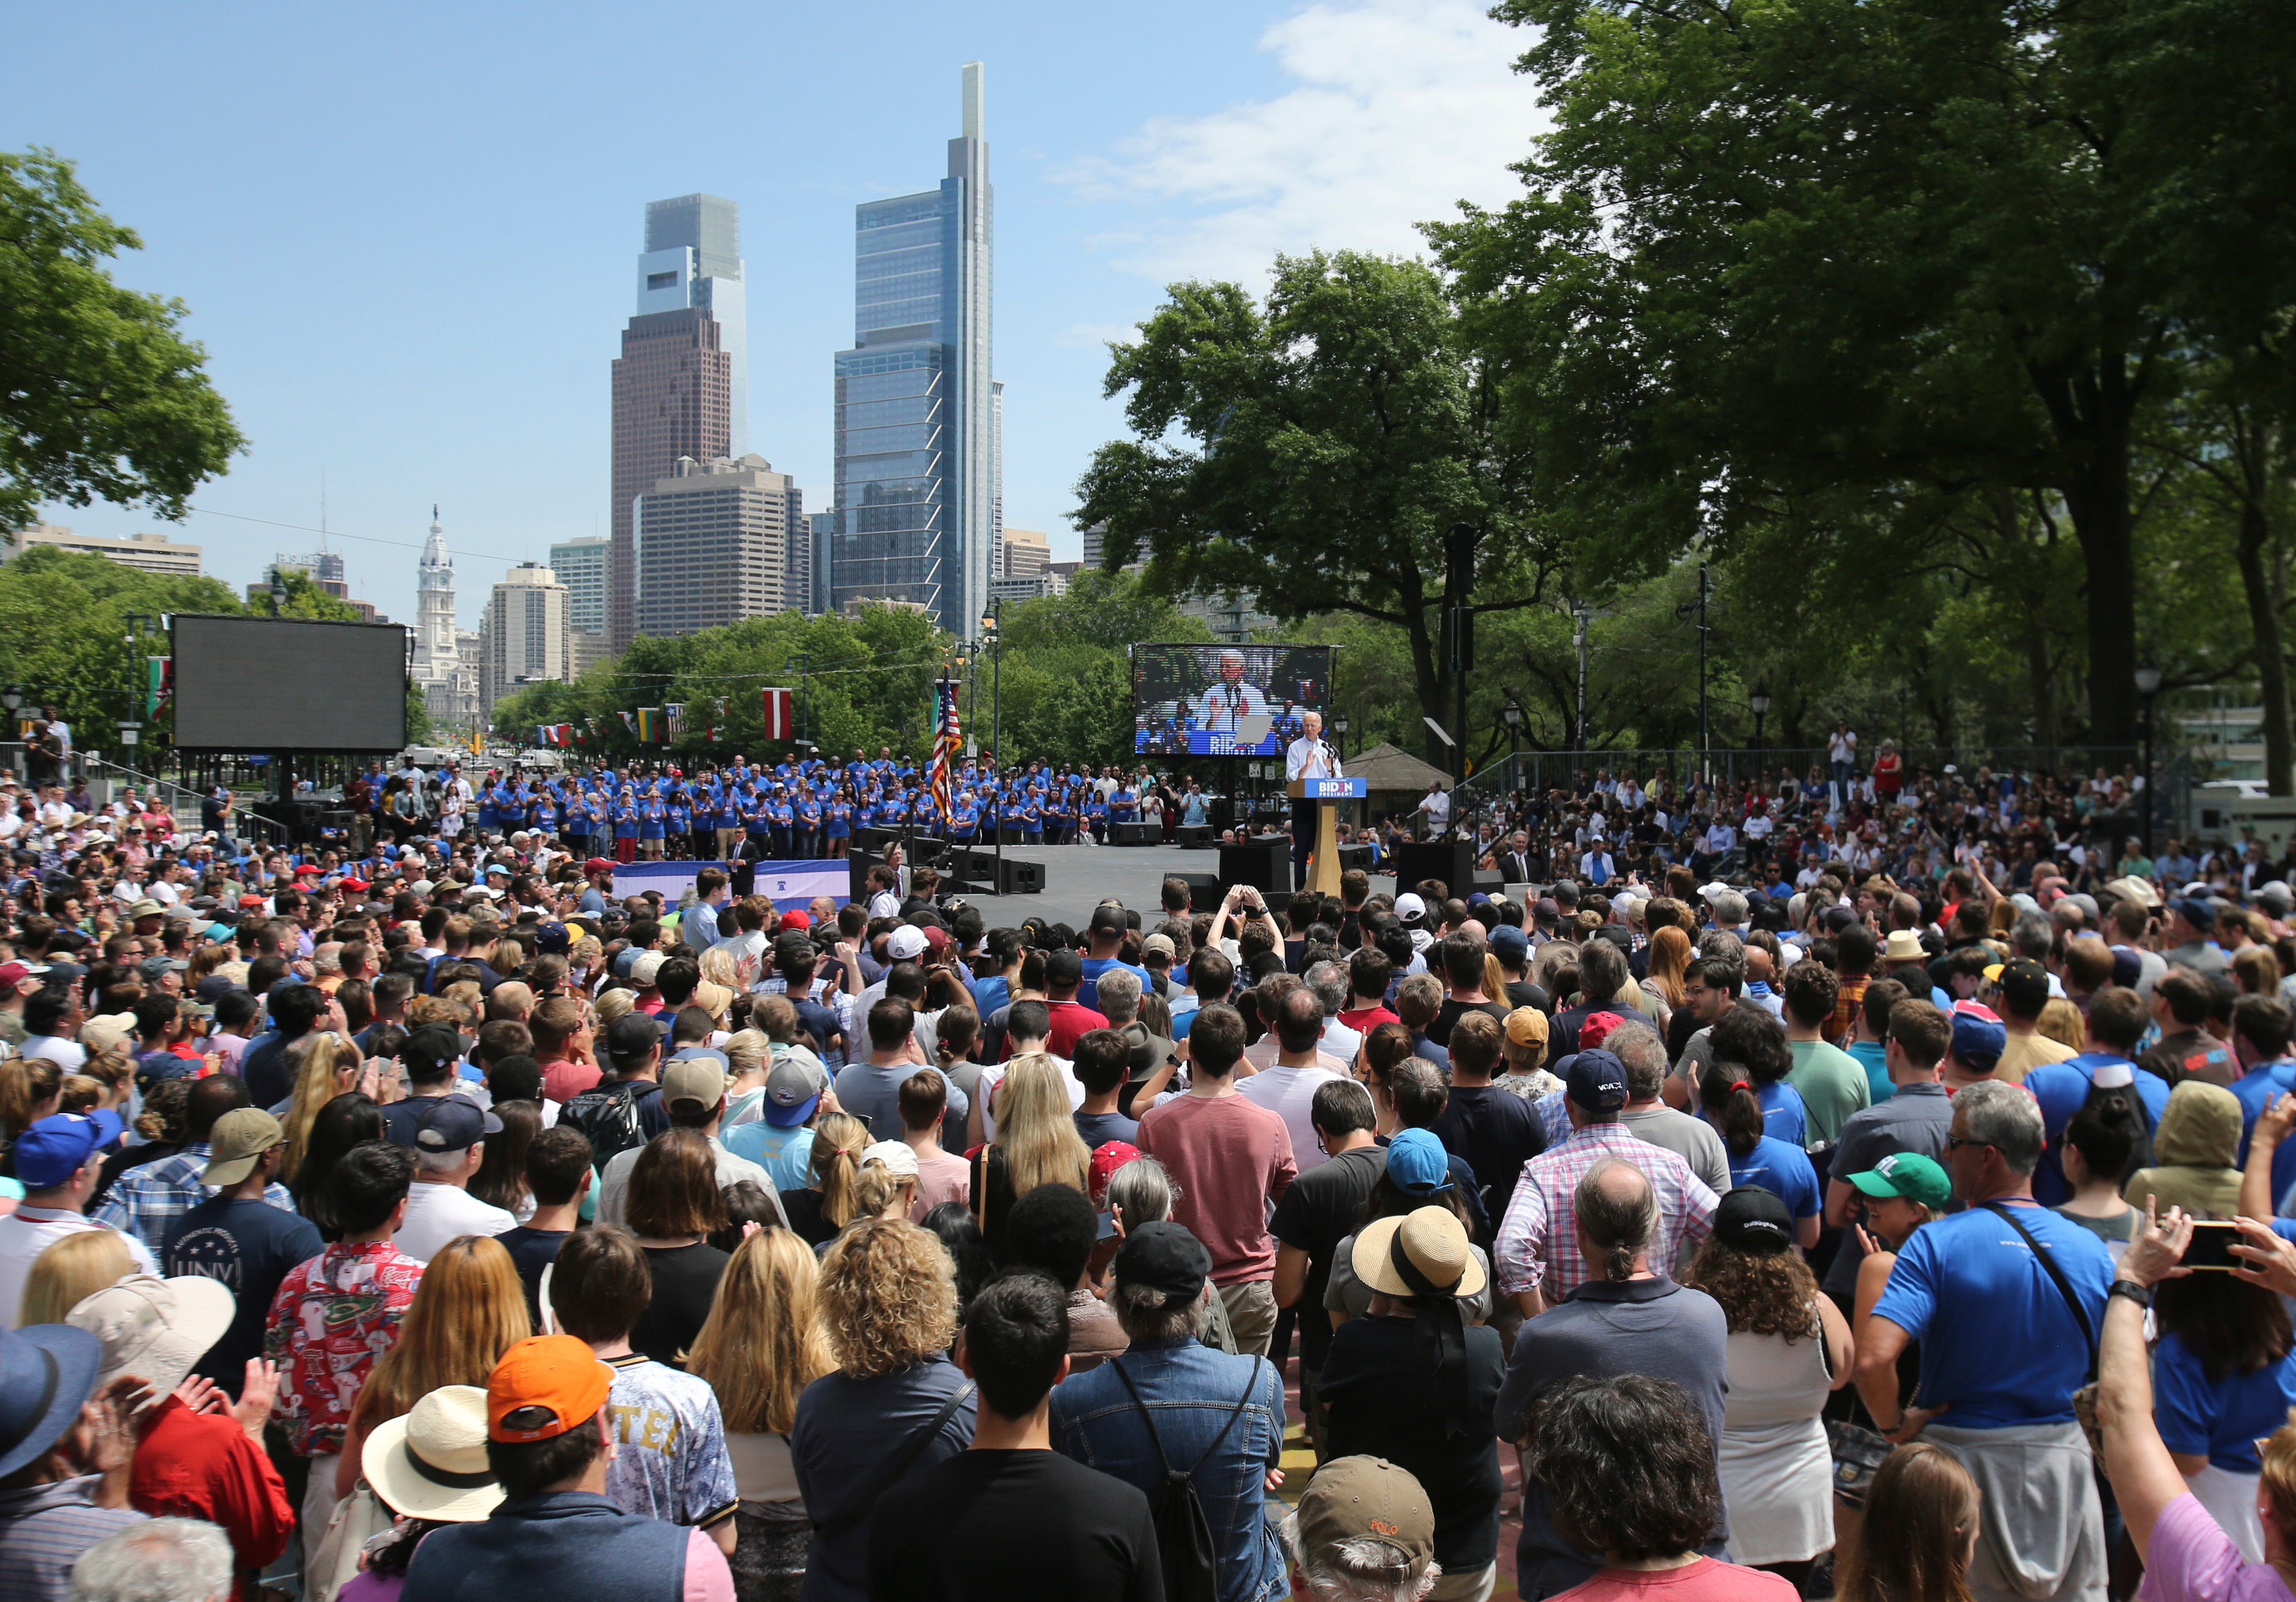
[{"x": 1789, "y": 1347}]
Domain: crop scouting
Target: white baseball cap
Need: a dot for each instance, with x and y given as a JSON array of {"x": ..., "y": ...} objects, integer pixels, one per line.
[{"x": 906, "y": 943}]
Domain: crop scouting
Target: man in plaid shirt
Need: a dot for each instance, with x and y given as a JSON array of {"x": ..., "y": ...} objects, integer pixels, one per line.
[
  {"x": 1536, "y": 1256},
  {"x": 1854, "y": 951},
  {"x": 147, "y": 1199},
  {"x": 336, "y": 1315}
]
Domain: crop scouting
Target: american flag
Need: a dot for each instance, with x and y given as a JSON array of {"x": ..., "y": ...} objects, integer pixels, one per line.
[{"x": 945, "y": 748}]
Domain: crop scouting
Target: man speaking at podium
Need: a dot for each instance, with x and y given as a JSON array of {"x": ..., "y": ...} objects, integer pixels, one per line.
[
  {"x": 1306, "y": 757},
  {"x": 1228, "y": 703}
]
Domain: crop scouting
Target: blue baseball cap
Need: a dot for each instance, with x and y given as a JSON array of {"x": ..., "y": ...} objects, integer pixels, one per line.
[
  {"x": 1596, "y": 1081},
  {"x": 1510, "y": 944},
  {"x": 55, "y": 1148},
  {"x": 1417, "y": 1162},
  {"x": 454, "y": 1123}
]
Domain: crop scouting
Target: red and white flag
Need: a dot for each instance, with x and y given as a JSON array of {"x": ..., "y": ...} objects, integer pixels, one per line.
[{"x": 780, "y": 723}]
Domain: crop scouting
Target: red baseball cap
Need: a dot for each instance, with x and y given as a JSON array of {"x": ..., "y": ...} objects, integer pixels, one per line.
[
  {"x": 937, "y": 937},
  {"x": 597, "y": 864},
  {"x": 1596, "y": 1028},
  {"x": 1107, "y": 1157},
  {"x": 796, "y": 919},
  {"x": 250, "y": 900},
  {"x": 13, "y": 974},
  {"x": 544, "y": 1386}
]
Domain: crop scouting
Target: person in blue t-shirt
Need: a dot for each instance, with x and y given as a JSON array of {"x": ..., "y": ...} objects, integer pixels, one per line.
[
  {"x": 2117, "y": 1019},
  {"x": 2003, "y": 1349},
  {"x": 838, "y": 816},
  {"x": 2223, "y": 1377},
  {"x": 809, "y": 824},
  {"x": 626, "y": 828},
  {"x": 1757, "y": 1158}
]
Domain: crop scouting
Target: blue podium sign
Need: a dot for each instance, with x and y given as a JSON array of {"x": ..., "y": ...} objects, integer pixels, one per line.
[{"x": 1337, "y": 789}]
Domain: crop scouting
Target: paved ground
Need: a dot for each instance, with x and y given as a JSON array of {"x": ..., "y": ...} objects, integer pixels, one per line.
[{"x": 1077, "y": 876}]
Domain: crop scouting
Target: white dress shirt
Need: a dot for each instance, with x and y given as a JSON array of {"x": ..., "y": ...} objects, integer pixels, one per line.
[
  {"x": 1306, "y": 758},
  {"x": 1225, "y": 706}
]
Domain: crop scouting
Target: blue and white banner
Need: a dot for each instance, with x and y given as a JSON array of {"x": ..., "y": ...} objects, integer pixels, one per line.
[{"x": 790, "y": 886}]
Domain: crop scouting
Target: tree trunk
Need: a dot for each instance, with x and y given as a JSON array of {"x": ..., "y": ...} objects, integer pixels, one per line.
[
  {"x": 2091, "y": 404},
  {"x": 1426, "y": 658},
  {"x": 2258, "y": 581}
]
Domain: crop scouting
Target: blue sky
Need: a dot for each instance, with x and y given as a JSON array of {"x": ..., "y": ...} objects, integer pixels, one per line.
[{"x": 406, "y": 234}]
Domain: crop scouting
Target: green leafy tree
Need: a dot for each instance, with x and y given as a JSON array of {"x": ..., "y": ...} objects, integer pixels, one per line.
[
  {"x": 1771, "y": 250},
  {"x": 100, "y": 395},
  {"x": 1336, "y": 449}
]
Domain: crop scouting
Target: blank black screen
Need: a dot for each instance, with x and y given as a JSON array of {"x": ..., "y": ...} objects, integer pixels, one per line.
[{"x": 285, "y": 684}]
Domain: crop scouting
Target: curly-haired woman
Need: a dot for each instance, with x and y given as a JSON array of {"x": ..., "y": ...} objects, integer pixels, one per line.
[
  {"x": 1789, "y": 1349},
  {"x": 888, "y": 1298}
]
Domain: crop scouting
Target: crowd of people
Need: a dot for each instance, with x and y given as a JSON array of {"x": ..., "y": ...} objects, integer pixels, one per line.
[
  {"x": 428, "y": 1221},
  {"x": 1782, "y": 829}
]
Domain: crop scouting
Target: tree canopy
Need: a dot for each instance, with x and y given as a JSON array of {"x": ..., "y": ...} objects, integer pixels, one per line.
[{"x": 101, "y": 394}]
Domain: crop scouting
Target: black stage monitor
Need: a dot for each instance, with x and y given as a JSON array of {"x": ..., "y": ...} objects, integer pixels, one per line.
[
  {"x": 1225, "y": 700},
  {"x": 288, "y": 684}
]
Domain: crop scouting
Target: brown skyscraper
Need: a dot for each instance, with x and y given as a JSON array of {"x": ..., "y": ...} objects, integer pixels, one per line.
[{"x": 673, "y": 397}]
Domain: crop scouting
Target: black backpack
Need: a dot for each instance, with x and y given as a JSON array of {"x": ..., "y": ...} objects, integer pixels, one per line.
[
  {"x": 1183, "y": 1535},
  {"x": 607, "y": 1115}
]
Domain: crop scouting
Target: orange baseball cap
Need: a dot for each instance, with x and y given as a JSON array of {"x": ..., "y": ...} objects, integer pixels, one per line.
[{"x": 544, "y": 1386}]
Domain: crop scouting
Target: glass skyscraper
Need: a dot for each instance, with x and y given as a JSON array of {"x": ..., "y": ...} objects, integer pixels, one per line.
[
  {"x": 919, "y": 456},
  {"x": 693, "y": 258}
]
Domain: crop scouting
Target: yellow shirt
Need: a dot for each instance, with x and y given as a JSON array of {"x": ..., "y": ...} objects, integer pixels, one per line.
[{"x": 2026, "y": 1052}]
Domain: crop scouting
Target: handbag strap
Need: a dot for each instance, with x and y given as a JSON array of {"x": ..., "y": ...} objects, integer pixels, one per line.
[
  {"x": 830, "y": 1529},
  {"x": 2064, "y": 1286}
]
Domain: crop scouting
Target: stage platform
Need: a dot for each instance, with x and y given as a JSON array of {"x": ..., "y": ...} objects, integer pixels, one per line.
[{"x": 1077, "y": 876}]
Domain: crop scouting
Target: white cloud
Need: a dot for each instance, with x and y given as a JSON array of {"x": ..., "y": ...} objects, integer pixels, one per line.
[{"x": 1401, "y": 108}]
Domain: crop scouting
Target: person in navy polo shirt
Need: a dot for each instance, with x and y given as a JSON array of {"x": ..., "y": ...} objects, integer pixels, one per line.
[
  {"x": 2006, "y": 1300},
  {"x": 549, "y": 1438}
]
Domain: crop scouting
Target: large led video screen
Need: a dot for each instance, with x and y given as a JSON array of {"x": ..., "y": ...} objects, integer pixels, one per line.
[
  {"x": 1225, "y": 700},
  {"x": 289, "y": 685}
]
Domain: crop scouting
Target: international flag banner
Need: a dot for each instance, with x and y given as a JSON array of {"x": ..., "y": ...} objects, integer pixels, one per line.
[
  {"x": 158, "y": 685},
  {"x": 946, "y": 748},
  {"x": 651, "y": 728},
  {"x": 630, "y": 722},
  {"x": 674, "y": 717},
  {"x": 779, "y": 723},
  {"x": 716, "y": 721}
]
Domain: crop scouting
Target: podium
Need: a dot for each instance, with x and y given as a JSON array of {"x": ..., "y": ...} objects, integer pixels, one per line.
[{"x": 1323, "y": 856}]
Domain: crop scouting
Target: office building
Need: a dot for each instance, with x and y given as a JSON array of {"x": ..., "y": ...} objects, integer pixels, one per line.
[
  {"x": 1232, "y": 618},
  {"x": 324, "y": 568},
  {"x": 523, "y": 637},
  {"x": 1095, "y": 545},
  {"x": 1034, "y": 586},
  {"x": 823, "y": 527},
  {"x": 693, "y": 259},
  {"x": 797, "y": 547},
  {"x": 709, "y": 545},
  {"x": 581, "y": 567},
  {"x": 674, "y": 385},
  {"x": 919, "y": 469},
  {"x": 147, "y": 553},
  {"x": 1025, "y": 553}
]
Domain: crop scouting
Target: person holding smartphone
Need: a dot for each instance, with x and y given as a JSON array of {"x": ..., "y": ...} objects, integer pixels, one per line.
[{"x": 2187, "y": 1549}]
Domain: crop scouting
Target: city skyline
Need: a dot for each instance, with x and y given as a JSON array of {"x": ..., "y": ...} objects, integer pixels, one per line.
[{"x": 477, "y": 191}]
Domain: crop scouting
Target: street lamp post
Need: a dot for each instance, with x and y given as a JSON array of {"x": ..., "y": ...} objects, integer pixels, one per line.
[
  {"x": 1340, "y": 733},
  {"x": 1512, "y": 713},
  {"x": 994, "y": 636},
  {"x": 2148, "y": 685},
  {"x": 1759, "y": 703}
]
